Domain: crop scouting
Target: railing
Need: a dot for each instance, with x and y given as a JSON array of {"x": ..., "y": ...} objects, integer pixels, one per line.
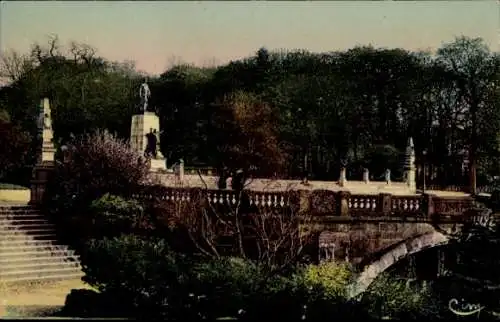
[
  {"x": 214, "y": 197},
  {"x": 407, "y": 204},
  {"x": 452, "y": 206},
  {"x": 318, "y": 202}
]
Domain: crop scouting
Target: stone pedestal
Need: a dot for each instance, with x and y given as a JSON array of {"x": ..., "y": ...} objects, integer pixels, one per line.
[
  {"x": 41, "y": 175},
  {"x": 142, "y": 124}
]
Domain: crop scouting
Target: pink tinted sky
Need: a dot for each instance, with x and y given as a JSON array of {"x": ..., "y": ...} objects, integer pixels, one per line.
[{"x": 151, "y": 33}]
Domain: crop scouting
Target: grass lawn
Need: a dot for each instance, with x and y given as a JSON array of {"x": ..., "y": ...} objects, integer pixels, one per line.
[{"x": 36, "y": 299}]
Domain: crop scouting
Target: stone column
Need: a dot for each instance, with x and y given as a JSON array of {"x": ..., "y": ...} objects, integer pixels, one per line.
[
  {"x": 384, "y": 204},
  {"x": 343, "y": 203},
  {"x": 366, "y": 175},
  {"x": 343, "y": 177},
  {"x": 427, "y": 205},
  {"x": 181, "y": 171},
  {"x": 410, "y": 169}
]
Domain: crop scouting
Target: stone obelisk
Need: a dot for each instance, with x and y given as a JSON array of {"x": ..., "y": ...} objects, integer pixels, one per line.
[
  {"x": 45, "y": 157},
  {"x": 143, "y": 124},
  {"x": 410, "y": 169}
]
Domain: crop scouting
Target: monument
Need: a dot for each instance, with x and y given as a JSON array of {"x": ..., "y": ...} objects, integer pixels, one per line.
[
  {"x": 145, "y": 129},
  {"x": 45, "y": 132},
  {"x": 45, "y": 158},
  {"x": 410, "y": 169}
]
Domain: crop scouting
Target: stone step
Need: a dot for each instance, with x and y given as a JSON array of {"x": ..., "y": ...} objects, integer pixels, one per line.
[
  {"x": 35, "y": 236},
  {"x": 23, "y": 253},
  {"x": 11, "y": 217},
  {"x": 56, "y": 277},
  {"x": 28, "y": 231},
  {"x": 26, "y": 226},
  {"x": 26, "y": 242},
  {"x": 4, "y": 212},
  {"x": 8, "y": 249},
  {"x": 22, "y": 221},
  {"x": 6, "y": 270},
  {"x": 46, "y": 258},
  {"x": 41, "y": 274}
]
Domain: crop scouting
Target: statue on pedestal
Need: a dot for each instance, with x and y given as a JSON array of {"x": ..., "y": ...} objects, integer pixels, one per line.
[
  {"x": 151, "y": 146},
  {"x": 145, "y": 94}
]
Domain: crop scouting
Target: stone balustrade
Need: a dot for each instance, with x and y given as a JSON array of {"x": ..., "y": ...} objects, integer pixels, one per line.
[{"x": 319, "y": 202}]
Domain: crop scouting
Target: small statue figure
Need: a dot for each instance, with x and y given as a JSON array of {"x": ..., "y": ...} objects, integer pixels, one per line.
[
  {"x": 145, "y": 94},
  {"x": 47, "y": 122},
  {"x": 388, "y": 176},
  {"x": 151, "y": 147}
]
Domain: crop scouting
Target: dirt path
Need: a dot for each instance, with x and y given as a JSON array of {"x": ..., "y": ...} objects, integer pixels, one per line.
[{"x": 31, "y": 300}]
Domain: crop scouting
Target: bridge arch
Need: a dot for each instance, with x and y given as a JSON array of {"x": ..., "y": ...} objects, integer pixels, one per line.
[{"x": 406, "y": 248}]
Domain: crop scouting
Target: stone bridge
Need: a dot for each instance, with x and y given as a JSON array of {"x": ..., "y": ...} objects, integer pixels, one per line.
[{"x": 371, "y": 231}]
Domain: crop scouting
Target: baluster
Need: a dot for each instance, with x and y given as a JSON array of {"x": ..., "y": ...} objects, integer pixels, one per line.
[
  {"x": 269, "y": 201},
  {"x": 221, "y": 198},
  {"x": 234, "y": 198},
  {"x": 355, "y": 204},
  {"x": 282, "y": 201}
]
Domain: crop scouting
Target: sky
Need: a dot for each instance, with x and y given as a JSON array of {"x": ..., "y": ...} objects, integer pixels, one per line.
[{"x": 156, "y": 34}]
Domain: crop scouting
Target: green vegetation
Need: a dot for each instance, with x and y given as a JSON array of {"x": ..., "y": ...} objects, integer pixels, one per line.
[
  {"x": 10, "y": 186},
  {"x": 281, "y": 112},
  {"x": 272, "y": 114}
]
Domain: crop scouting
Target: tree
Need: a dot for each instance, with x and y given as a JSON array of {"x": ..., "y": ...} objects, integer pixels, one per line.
[
  {"x": 14, "y": 150},
  {"x": 273, "y": 237},
  {"x": 14, "y": 65},
  {"x": 99, "y": 163},
  {"x": 475, "y": 75},
  {"x": 246, "y": 135}
]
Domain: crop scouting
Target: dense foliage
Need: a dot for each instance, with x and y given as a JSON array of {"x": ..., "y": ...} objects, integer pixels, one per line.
[{"x": 304, "y": 111}]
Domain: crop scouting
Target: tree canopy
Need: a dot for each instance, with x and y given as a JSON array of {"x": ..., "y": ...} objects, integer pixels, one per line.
[{"x": 283, "y": 112}]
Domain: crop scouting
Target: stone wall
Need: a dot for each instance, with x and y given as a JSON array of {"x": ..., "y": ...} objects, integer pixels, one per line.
[{"x": 363, "y": 242}]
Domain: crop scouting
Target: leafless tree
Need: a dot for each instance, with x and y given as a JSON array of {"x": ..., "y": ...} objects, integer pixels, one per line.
[
  {"x": 14, "y": 65},
  {"x": 223, "y": 222}
]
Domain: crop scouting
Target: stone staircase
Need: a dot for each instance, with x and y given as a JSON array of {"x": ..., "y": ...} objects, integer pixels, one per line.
[{"x": 29, "y": 250}]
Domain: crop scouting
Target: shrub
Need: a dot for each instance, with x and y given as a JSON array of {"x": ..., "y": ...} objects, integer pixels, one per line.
[
  {"x": 142, "y": 274},
  {"x": 14, "y": 150},
  {"x": 397, "y": 299},
  {"x": 88, "y": 303},
  {"x": 10, "y": 186},
  {"x": 226, "y": 286},
  {"x": 311, "y": 292},
  {"x": 113, "y": 215},
  {"x": 329, "y": 279},
  {"x": 100, "y": 163}
]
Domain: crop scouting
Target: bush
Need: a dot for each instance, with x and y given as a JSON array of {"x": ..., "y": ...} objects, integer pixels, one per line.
[
  {"x": 398, "y": 299},
  {"x": 100, "y": 163},
  {"x": 90, "y": 304},
  {"x": 142, "y": 274},
  {"x": 10, "y": 186},
  {"x": 14, "y": 150},
  {"x": 113, "y": 215},
  {"x": 329, "y": 280},
  {"x": 225, "y": 286}
]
